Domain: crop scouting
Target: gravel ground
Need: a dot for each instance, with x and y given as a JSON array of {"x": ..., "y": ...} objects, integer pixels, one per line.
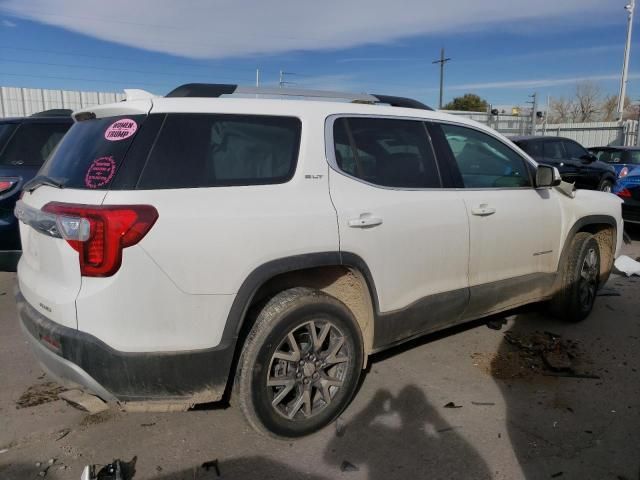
[{"x": 515, "y": 420}]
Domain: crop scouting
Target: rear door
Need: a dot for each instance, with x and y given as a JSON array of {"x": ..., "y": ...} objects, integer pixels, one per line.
[
  {"x": 513, "y": 226},
  {"x": 588, "y": 173},
  {"x": 394, "y": 214}
]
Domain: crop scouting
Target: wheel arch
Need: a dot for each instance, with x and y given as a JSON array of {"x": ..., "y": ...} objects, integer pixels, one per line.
[
  {"x": 604, "y": 228},
  {"x": 343, "y": 275}
]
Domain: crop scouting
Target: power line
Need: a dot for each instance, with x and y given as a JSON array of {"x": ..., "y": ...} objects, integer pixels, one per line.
[{"x": 106, "y": 82}]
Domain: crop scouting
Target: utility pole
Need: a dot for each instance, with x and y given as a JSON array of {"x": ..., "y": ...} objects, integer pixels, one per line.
[
  {"x": 534, "y": 112},
  {"x": 442, "y": 61},
  {"x": 627, "y": 52}
]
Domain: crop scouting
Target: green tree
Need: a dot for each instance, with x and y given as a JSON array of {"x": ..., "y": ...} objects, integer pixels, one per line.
[{"x": 469, "y": 102}]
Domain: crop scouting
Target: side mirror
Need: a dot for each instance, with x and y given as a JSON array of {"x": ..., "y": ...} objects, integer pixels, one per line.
[
  {"x": 588, "y": 158},
  {"x": 547, "y": 176}
]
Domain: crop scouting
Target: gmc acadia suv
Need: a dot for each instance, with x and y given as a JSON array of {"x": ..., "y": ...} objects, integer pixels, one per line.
[{"x": 178, "y": 247}]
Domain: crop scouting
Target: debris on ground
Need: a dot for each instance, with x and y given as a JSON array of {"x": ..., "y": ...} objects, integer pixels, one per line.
[
  {"x": 211, "y": 465},
  {"x": 116, "y": 470},
  {"x": 340, "y": 427},
  {"x": 627, "y": 265},
  {"x": 62, "y": 433},
  {"x": 452, "y": 405},
  {"x": 84, "y": 401},
  {"x": 148, "y": 424},
  {"x": 348, "y": 467},
  {"x": 39, "y": 394},
  {"x": 496, "y": 323},
  {"x": 529, "y": 354},
  {"x": 558, "y": 474},
  {"x": 483, "y": 404}
]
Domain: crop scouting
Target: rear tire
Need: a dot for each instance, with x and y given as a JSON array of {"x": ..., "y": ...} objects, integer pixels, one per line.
[
  {"x": 606, "y": 185},
  {"x": 300, "y": 364},
  {"x": 579, "y": 279}
]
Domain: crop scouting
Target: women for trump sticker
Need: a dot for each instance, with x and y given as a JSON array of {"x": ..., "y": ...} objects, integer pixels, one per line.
[
  {"x": 120, "y": 130},
  {"x": 100, "y": 172}
]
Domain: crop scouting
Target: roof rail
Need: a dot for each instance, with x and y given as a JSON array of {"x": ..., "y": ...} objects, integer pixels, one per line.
[{"x": 214, "y": 90}]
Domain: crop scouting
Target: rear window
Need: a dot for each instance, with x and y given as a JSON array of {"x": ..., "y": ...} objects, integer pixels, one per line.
[
  {"x": 32, "y": 143},
  {"x": 92, "y": 151},
  {"x": 213, "y": 150}
]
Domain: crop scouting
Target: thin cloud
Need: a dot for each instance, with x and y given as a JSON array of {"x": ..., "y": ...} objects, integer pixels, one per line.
[
  {"x": 8, "y": 23},
  {"x": 374, "y": 59},
  {"x": 538, "y": 83},
  {"x": 256, "y": 27}
]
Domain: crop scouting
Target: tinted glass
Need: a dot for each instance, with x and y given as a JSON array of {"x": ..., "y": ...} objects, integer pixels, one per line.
[
  {"x": 484, "y": 161},
  {"x": 32, "y": 143},
  {"x": 92, "y": 151},
  {"x": 574, "y": 150},
  {"x": 202, "y": 150},
  {"x": 608, "y": 155},
  {"x": 6, "y": 129},
  {"x": 386, "y": 152},
  {"x": 532, "y": 148},
  {"x": 554, "y": 149},
  {"x": 634, "y": 157}
]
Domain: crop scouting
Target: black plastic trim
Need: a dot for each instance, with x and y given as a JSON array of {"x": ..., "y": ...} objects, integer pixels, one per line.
[
  {"x": 402, "y": 102},
  {"x": 203, "y": 90},
  {"x": 133, "y": 376}
]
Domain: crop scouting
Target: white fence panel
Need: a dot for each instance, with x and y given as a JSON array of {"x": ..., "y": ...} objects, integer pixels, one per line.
[{"x": 19, "y": 102}]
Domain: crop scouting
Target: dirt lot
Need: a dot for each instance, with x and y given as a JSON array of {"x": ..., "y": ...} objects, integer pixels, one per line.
[{"x": 468, "y": 403}]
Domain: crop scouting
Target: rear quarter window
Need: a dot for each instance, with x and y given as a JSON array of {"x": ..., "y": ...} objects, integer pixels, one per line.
[{"x": 215, "y": 150}]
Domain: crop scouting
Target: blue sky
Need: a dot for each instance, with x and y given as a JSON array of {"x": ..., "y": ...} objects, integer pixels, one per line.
[{"x": 502, "y": 50}]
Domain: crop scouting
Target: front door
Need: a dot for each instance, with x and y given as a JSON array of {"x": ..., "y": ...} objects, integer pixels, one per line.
[
  {"x": 393, "y": 213},
  {"x": 513, "y": 226}
]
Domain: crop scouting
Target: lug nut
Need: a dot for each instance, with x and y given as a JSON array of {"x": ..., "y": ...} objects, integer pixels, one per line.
[
  {"x": 306, "y": 381},
  {"x": 298, "y": 375},
  {"x": 316, "y": 376},
  {"x": 301, "y": 363}
]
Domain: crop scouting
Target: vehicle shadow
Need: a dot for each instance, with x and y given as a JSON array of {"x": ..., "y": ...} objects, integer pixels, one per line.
[{"x": 403, "y": 436}]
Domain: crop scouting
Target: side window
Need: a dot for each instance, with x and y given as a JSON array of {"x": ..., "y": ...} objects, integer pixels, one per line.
[
  {"x": 210, "y": 150},
  {"x": 32, "y": 143},
  {"x": 554, "y": 149},
  {"x": 386, "y": 152},
  {"x": 533, "y": 148},
  {"x": 574, "y": 150},
  {"x": 484, "y": 161}
]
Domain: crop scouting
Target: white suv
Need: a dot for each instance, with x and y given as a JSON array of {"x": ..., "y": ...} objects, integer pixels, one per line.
[{"x": 179, "y": 247}]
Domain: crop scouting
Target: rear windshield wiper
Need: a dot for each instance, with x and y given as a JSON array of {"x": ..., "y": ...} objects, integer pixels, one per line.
[{"x": 35, "y": 182}]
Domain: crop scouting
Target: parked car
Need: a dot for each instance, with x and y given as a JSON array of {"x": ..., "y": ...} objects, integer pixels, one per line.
[
  {"x": 178, "y": 247},
  {"x": 575, "y": 163},
  {"x": 25, "y": 143},
  {"x": 628, "y": 189},
  {"x": 623, "y": 159}
]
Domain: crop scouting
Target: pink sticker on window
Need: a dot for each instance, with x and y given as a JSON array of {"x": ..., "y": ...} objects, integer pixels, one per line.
[
  {"x": 100, "y": 172},
  {"x": 121, "y": 130}
]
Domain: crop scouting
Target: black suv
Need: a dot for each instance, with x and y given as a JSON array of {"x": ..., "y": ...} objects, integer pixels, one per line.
[
  {"x": 575, "y": 163},
  {"x": 25, "y": 143}
]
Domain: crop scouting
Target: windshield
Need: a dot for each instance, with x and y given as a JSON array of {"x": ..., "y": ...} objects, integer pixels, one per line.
[{"x": 91, "y": 153}]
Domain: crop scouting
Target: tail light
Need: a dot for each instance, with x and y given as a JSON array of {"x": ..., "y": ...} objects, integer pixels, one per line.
[
  {"x": 623, "y": 173},
  {"x": 7, "y": 184},
  {"x": 100, "y": 233},
  {"x": 624, "y": 193}
]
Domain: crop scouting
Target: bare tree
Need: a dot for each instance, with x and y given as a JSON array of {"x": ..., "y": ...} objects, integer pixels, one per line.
[
  {"x": 561, "y": 110},
  {"x": 587, "y": 101},
  {"x": 609, "y": 108}
]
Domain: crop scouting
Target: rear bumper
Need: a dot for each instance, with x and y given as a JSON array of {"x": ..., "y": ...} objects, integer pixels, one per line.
[{"x": 78, "y": 359}]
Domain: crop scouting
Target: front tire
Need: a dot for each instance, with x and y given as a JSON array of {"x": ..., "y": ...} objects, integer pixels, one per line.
[
  {"x": 579, "y": 279},
  {"x": 300, "y": 364}
]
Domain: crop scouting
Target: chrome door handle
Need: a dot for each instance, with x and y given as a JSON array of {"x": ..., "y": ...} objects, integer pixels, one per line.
[
  {"x": 483, "y": 210},
  {"x": 365, "y": 221}
]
